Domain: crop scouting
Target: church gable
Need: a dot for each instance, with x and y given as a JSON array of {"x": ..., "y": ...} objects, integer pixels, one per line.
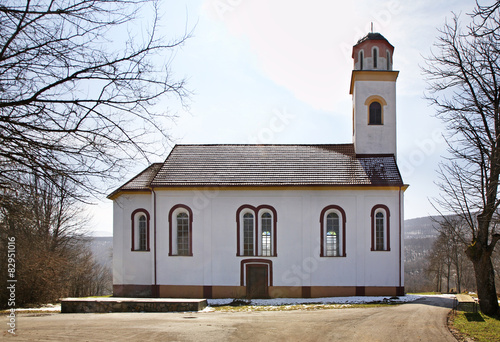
[{"x": 141, "y": 182}]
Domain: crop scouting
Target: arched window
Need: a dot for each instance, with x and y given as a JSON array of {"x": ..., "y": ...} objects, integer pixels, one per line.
[
  {"x": 248, "y": 246},
  {"x": 332, "y": 235},
  {"x": 388, "y": 59},
  {"x": 379, "y": 231},
  {"x": 182, "y": 234},
  {"x": 361, "y": 59},
  {"x": 256, "y": 230},
  {"x": 266, "y": 226},
  {"x": 140, "y": 230},
  {"x": 142, "y": 233},
  {"x": 375, "y": 113},
  {"x": 380, "y": 228},
  {"x": 180, "y": 231},
  {"x": 375, "y": 58},
  {"x": 332, "y": 226}
]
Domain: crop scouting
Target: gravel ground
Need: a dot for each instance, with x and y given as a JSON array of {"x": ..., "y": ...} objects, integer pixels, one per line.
[{"x": 421, "y": 320}]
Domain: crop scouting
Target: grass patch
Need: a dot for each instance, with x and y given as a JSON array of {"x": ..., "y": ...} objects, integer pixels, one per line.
[
  {"x": 478, "y": 326},
  {"x": 106, "y": 296},
  {"x": 425, "y": 293}
]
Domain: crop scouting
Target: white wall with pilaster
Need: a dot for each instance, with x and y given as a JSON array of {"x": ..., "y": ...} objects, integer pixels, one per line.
[
  {"x": 131, "y": 267},
  {"x": 214, "y": 240}
]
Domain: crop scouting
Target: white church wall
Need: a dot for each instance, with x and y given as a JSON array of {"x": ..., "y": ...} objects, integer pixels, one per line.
[
  {"x": 214, "y": 261},
  {"x": 378, "y": 263},
  {"x": 130, "y": 267}
]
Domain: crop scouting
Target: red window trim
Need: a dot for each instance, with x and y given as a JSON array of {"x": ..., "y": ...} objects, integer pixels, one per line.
[
  {"x": 170, "y": 227},
  {"x": 132, "y": 217},
  {"x": 387, "y": 225},
  {"x": 322, "y": 230},
  {"x": 256, "y": 211}
]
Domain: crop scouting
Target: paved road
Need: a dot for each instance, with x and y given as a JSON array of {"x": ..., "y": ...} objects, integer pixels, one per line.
[{"x": 423, "y": 320}]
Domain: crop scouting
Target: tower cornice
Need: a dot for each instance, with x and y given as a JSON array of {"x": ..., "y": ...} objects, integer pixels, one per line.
[{"x": 372, "y": 75}]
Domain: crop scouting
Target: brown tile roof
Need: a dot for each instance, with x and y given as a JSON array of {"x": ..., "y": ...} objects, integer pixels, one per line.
[
  {"x": 267, "y": 165},
  {"x": 140, "y": 182}
]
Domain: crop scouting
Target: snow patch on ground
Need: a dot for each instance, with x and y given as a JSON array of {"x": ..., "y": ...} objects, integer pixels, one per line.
[
  {"x": 46, "y": 307},
  {"x": 326, "y": 300},
  {"x": 286, "y": 302},
  {"x": 444, "y": 295}
]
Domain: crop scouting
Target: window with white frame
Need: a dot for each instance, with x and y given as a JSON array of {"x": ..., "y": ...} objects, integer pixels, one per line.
[
  {"x": 180, "y": 231},
  {"x": 380, "y": 228},
  {"x": 140, "y": 230},
  {"x": 379, "y": 231},
  {"x": 332, "y": 235},
  {"x": 256, "y": 231},
  {"x": 266, "y": 224},
  {"x": 182, "y": 234},
  {"x": 142, "y": 233},
  {"x": 248, "y": 234},
  {"x": 332, "y": 230}
]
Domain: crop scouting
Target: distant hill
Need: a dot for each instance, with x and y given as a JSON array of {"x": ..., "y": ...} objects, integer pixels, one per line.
[
  {"x": 102, "y": 248},
  {"x": 422, "y": 227},
  {"x": 419, "y": 237}
]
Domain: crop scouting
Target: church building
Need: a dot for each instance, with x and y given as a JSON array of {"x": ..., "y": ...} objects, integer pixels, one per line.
[{"x": 268, "y": 221}]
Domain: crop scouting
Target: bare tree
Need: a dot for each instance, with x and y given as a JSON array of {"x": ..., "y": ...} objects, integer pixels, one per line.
[
  {"x": 79, "y": 81},
  {"x": 435, "y": 267},
  {"x": 52, "y": 256},
  {"x": 449, "y": 251},
  {"x": 463, "y": 76},
  {"x": 84, "y": 276}
]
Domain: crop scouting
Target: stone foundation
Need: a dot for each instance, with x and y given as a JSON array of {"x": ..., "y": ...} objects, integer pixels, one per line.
[
  {"x": 112, "y": 304},
  {"x": 211, "y": 292}
]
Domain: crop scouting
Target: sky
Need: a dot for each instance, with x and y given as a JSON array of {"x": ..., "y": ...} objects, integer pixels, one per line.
[{"x": 278, "y": 72}]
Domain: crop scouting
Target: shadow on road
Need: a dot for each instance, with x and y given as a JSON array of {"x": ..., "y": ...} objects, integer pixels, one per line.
[{"x": 444, "y": 302}]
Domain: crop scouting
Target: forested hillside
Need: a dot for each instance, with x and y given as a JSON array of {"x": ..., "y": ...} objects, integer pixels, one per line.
[{"x": 435, "y": 262}]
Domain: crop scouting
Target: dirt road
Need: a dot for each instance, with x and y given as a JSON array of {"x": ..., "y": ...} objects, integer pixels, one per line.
[{"x": 423, "y": 320}]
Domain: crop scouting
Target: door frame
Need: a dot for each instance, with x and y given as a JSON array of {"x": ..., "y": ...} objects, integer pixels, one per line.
[{"x": 268, "y": 264}]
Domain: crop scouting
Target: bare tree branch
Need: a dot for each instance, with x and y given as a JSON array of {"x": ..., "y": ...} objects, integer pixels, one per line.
[{"x": 77, "y": 99}]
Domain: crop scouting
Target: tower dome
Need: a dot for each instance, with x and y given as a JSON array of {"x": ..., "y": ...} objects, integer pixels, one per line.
[{"x": 373, "y": 52}]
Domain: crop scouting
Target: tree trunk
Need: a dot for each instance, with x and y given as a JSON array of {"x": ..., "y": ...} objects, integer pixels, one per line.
[
  {"x": 438, "y": 280},
  {"x": 457, "y": 267},
  {"x": 448, "y": 278},
  {"x": 485, "y": 280}
]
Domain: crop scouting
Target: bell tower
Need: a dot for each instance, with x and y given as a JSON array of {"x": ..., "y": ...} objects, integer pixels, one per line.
[{"x": 373, "y": 90}]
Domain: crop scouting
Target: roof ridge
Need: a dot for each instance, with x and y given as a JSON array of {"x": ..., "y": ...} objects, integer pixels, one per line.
[{"x": 236, "y": 144}]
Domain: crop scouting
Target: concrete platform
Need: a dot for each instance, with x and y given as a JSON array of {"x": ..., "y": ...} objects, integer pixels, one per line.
[
  {"x": 116, "y": 304},
  {"x": 465, "y": 303}
]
